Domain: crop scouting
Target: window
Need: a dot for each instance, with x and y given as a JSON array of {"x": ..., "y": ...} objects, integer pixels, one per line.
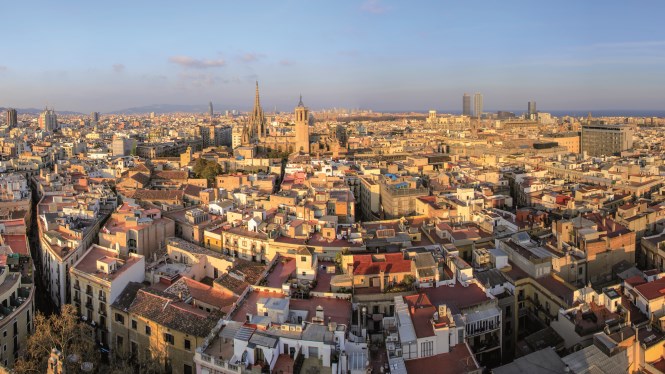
[
  {"x": 188, "y": 369},
  {"x": 188, "y": 344},
  {"x": 134, "y": 347},
  {"x": 134, "y": 324},
  {"x": 169, "y": 338},
  {"x": 426, "y": 349},
  {"x": 148, "y": 330},
  {"x": 580, "y": 269},
  {"x": 118, "y": 342},
  {"x": 120, "y": 318},
  {"x": 303, "y": 259},
  {"x": 508, "y": 312}
]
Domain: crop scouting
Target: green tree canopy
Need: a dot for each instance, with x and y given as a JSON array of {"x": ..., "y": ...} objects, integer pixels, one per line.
[{"x": 207, "y": 169}]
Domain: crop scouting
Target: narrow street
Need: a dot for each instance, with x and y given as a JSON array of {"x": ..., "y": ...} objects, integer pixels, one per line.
[{"x": 43, "y": 303}]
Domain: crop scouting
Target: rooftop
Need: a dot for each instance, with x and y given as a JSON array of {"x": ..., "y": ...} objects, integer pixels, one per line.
[{"x": 458, "y": 361}]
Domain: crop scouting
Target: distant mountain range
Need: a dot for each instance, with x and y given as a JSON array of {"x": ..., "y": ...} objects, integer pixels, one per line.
[
  {"x": 36, "y": 111},
  {"x": 163, "y": 108},
  {"x": 157, "y": 108}
]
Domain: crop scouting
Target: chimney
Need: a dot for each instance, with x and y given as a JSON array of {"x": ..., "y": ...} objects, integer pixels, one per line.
[
  {"x": 382, "y": 280},
  {"x": 319, "y": 313}
]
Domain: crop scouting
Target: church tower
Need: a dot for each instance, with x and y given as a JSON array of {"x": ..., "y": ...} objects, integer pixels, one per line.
[
  {"x": 302, "y": 127},
  {"x": 257, "y": 121}
]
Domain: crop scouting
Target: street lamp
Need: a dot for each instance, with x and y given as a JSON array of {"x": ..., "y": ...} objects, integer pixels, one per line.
[{"x": 364, "y": 319}]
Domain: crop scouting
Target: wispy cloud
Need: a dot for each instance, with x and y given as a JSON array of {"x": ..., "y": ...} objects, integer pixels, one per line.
[
  {"x": 199, "y": 80},
  {"x": 251, "y": 57},
  {"x": 287, "y": 62},
  {"x": 118, "y": 68},
  {"x": 374, "y": 7},
  {"x": 190, "y": 62}
]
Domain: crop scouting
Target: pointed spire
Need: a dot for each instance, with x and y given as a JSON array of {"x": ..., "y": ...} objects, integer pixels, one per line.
[
  {"x": 257, "y": 120},
  {"x": 256, "y": 99},
  {"x": 300, "y": 104}
]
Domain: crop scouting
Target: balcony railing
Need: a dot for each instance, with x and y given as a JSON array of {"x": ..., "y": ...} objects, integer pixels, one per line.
[
  {"x": 88, "y": 292},
  {"x": 102, "y": 298}
]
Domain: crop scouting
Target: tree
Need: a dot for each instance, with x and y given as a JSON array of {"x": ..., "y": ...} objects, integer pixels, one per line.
[
  {"x": 65, "y": 333},
  {"x": 207, "y": 169},
  {"x": 339, "y": 256},
  {"x": 153, "y": 361},
  {"x": 74, "y": 339},
  {"x": 409, "y": 280}
]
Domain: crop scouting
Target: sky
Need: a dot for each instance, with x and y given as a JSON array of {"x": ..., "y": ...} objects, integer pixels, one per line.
[{"x": 373, "y": 54}]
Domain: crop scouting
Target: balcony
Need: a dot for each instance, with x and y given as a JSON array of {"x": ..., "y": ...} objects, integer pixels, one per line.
[
  {"x": 102, "y": 298},
  {"x": 102, "y": 312},
  {"x": 88, "y": 292},
  {"x": 88, "y": 305}
]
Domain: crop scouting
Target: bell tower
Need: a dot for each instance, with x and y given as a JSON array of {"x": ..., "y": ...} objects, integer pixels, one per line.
[{"x": 302, "y": 127}]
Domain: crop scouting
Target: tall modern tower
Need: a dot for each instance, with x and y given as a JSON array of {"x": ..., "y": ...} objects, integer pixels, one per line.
[
  {"x": 94, "y": 117},
  {"x": 48, "y": 120},
  {"x": 466, "y": 104},
  {"x": 210, "y": 112},
  {"x": 11, "y": 117},
  {"x": 477, "y": 105},
  {"x": 531, "y": 110},
  {"x": 302, "y": 127}
]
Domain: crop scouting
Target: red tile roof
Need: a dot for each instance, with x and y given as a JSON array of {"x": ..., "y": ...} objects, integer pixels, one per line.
[
  {"x": 652, "y": 290},
  {"x": 635, "y": 281},
  {"x": 393, "y": 263},
  {"x": 422, "y": 311},
  {"x": 458, "y": 360},
  {"x": 457, "y": 297},
  {"x": 17, "y": 243}
]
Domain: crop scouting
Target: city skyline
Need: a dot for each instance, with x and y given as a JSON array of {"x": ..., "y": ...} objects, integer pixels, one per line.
[{"x": 379, "y": 55}]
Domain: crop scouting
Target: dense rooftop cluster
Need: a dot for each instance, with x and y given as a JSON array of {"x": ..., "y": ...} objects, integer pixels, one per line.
[{"x": 296, "y": 243}]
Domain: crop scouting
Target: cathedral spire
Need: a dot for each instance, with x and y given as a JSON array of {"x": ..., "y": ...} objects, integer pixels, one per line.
[
  {"x": 257, "y": 103},
  {"x": 300, "y": 104},
  {"x": 257, "y": 121}
]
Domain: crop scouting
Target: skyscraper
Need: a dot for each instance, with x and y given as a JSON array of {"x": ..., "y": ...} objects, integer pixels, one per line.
[
  {"x": 466, "y": 104},
  {"x": 94, "y": 117},
  {"x": 11, "y": 117},
  {"x": 210, "y": 112},
  {"x": 477, "y": 105},
  {"x": 48, "y": 120},
  {"x": 531, "y": 114}
]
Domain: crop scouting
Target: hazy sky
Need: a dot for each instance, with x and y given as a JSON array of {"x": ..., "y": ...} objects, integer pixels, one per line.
[{"x": 380, "y": 54}]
